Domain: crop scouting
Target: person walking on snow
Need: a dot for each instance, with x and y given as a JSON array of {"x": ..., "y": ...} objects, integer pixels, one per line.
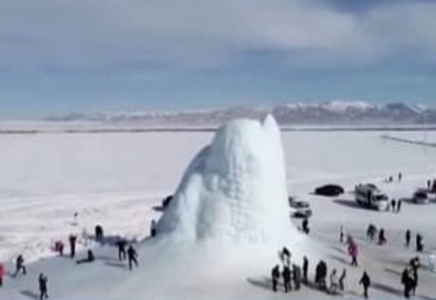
[
  {"x": 2, "y": 274},
  {"x": 399, "y": 202},
  {"x": 19, "y": 264},
  {"x": 43, "y": 289},
  {"x": 342, "y": 281},
  {"x": 275, "y": 275},
  {"x": 381, "y": 237},
  {"x": 353, "y": 251},
  {"x": 72, "y": 239},
  {"x": 366, "y": 282},
  {"x": 121, "y": 244},
  {"x": 408, "y": 236},
  {"x": 341, "y": 234},
  {"x": 132, "y": 256}
]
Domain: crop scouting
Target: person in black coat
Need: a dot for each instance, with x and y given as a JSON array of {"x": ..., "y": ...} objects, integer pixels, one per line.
[
  {"x": 366, "y": 282},
  {"x": 305, "y": 269},
  {"x": 408, "y": 237},
  {"x": 89, "y": 258},
  {"x": 321, "y": 274},
  {"x": 407, "y": 281},
  {"x": 43, "y": 289},
  {"x": 132, "y": 256},
  {"x": 121, "y": 244},
  {"x": 19, "y": 265},
  {"x": 414, "y": 265},
  {"x": 275, "y": 275},
  {"x": 287, "y": 278},
  {"x": 72, "y": 239},
  {"x": 419, "y": 244}
]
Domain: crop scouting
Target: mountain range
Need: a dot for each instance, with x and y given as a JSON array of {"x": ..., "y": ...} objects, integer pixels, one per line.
[{"x": 323, "y": 113}]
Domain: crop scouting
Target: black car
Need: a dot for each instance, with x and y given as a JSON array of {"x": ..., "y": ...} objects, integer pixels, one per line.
[{"x": 329, "y": 190}]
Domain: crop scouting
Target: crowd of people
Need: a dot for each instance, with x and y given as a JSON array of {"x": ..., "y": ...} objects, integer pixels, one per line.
[{"x": 125, "y": 248}]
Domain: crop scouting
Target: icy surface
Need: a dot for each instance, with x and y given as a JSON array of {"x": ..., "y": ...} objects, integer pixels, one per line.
[
  {"x": 119, "y": 179},
  {"x": 234, "y": 189}
]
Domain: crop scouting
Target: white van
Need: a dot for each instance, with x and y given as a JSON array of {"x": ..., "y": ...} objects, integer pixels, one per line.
[{"x": 369, "y": 195}]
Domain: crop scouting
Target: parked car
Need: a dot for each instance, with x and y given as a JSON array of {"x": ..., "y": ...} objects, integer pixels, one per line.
[
  {"x": 302, "y": 209},
  {"x": 420, "y": 197},
  {"x": 330, "y": 190}
]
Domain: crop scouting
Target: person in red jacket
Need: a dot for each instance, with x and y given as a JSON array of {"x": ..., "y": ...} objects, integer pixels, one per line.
[{"x": 2, "y": 273}]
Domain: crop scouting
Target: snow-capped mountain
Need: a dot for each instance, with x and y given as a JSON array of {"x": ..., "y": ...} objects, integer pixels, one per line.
[{"x": 328, "y": 113}]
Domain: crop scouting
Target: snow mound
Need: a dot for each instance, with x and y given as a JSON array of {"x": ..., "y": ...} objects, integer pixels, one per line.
[{"x": 234, "y": 189}]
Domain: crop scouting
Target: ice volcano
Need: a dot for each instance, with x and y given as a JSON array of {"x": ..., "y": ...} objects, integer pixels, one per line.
[{"x": 234, "y": 189}]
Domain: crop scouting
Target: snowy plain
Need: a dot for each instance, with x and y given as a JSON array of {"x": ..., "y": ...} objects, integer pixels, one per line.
[{"x": 116, "y": 179}]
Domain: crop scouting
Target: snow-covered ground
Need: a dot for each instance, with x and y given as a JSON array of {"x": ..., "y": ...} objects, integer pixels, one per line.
[{"x": 117, "y": 180}]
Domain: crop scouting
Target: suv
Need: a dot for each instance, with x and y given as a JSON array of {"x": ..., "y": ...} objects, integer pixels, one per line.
[{"x": 420, "y": 197}]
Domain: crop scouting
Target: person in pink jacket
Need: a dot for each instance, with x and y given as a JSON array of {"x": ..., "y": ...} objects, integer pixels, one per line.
[
  {"x": 2, "y": 273},
  {"x": 353, "y": 251}
]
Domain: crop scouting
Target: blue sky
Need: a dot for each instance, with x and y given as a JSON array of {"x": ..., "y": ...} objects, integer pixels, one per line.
[{"x": 61, "y": 56}]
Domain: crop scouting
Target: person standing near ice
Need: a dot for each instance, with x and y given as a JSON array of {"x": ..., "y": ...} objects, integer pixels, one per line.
[
  {"x": 275, "y": 275},
  {"x": 132, "y": 256},
  {"x": 285, "y": 257},
  {"x": 305, "y": 269},
  {"x": 286, "y": 274},
  {"x": 43, "y": 288},
  {"x": 72, "y": 239},
  {"x": 419, "y": 243},
  {"x": 19, "y": 264},
  {"x": 296, "y": 271},
  {"x": 121, "y": 244}
]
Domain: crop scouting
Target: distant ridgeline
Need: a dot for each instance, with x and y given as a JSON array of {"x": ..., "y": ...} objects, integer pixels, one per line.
[{"x": 325, "y": 113}]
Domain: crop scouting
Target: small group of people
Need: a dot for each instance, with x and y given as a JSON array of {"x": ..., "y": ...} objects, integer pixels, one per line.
[
  {"x": 131, "y": 255},
  {"x": 371, "y": 233},
  {"x": 289, "y": 273},
  {"x": 419, "y": 240},
  {"x": 293, "y": 276},
  {"x": 391, "y": 178},
  {"x": 394, "y": 205}
]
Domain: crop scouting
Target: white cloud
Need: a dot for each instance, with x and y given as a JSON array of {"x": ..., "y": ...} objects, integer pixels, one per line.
[{"x": 100, "y": 34}]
